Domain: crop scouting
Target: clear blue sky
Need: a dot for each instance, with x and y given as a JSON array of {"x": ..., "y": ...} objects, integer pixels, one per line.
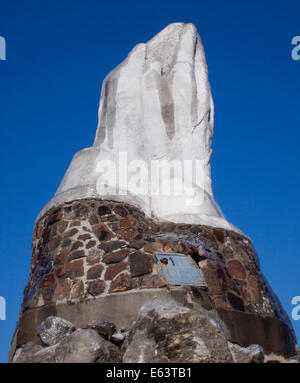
[{"x": 58, "y": 53}]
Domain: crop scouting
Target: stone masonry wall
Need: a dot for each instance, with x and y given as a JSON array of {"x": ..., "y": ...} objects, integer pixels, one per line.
[{"x": 90, "y": 248}]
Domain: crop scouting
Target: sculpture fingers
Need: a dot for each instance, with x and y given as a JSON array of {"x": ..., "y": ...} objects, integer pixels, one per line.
[{"x": 120, "y": 110}]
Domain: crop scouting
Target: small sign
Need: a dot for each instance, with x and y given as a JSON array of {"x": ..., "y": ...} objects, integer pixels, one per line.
[{"x": 180, "y": 269}]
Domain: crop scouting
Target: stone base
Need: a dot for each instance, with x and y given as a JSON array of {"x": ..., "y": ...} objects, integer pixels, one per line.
[
  {"x": 161, "y": 334},
  {"x": 95, "y": 259}
]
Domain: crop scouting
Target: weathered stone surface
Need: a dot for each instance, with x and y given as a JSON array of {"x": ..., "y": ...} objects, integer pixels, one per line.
[
  {"x": 169, "y": 248},
  {"x": 48, "y": 280},
  {"x": 174, "y": 334},
  {"x": 200, "y": 295},
  {"x": 102, "y": 232},
  {"x": 68, "y": 212},
  {"x": 77, "y": 289},
  {"x": 93, "y": 257},
  {"x": 236, "y": 302},
  {"x": 251, "y": 354},
  {"x": 93, "y": 220},
  {"x": 84, "y": 237},
  {"x": 154, "y": 246},
  {"x": 236, "y": 270},
  {"x": 127, "y": 222},
  {"x": 60, "y": 270},
  {"x": 121, "y": 283},
  {"x": 152, "y": 281},
  {"x": 104, "y": 210},
  {"x": 67, "y": 242},
  {"x": 211, "y": 276},
  {"x": 138, "y": 244},
  {"x": 61, "y": 291},
  {"x": 75, "y": 223},
  {"x": 184, "y": 248},
  {"x": 105, "y": 329},
  {"x": 116, "y": 256},
  {"x": 120, "y": 210},
  {"x": 155, "y": 227},
  {"x": 76, "y": 245},
  {"x": 249, "y": 295},
  {"x": 140, "y": 264},
  {"x": 80, "y": 210},
  {"x": 62, "y": 225},
  {"x": 118, "y": 338},
  {"x": 109, "y": 218},
  {"x": 90, "y": 244},
  {"x": 168, "y": 227},
  {"x": 253, "y": 281},
  {"x": 95, "y": 272},
  {"x": 220, "y": 302},
  {"x": 113, "y": 225},
  {"x": 96, "y": 287},
  {"x": 219, "y": 235},
  {"x": 71, "y": 233},
  {"x": 54, "y": 329},
  {"x": 75, "y": 269},
  {"x": 112, "y": 245},
  {"x": 26, "y": 352},
  {"x": 77, "y": 254},
  {"x": 62, "y": 257},
  {"x": 127, "y": 234},
  {"x": 83, "y": 346},
  {"x": 47, "y": 293},
  {"x": 114, "y": 270},
  {"x": 53, "y": 244}
]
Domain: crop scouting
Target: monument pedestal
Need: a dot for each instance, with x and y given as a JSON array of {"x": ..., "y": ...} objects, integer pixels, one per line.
[{"x": 95, "y": 259}]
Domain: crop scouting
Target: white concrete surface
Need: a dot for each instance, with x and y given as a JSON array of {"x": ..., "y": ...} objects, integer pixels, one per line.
[{"x": 155, "y": 106}]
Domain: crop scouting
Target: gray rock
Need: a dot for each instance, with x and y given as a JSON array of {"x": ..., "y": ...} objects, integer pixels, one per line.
[
  {"x": 54, "y": 329},
  {"x": 105, "y": 329},
  {"x": 24, "y": 354},
  {"x": 82, "y": 346},
  {"x": 251, "y": 354},
  {"x": 16, "y": 354},
  {"x": 118, "y": 338},
  {"x": 170, "y": 334}
]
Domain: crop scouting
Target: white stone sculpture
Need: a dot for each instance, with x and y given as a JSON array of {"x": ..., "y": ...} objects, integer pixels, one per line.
[{"x": 156, "y": 111}]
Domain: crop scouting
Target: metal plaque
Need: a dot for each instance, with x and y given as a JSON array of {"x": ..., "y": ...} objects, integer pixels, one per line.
[{"x": 180, "y": 269}]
